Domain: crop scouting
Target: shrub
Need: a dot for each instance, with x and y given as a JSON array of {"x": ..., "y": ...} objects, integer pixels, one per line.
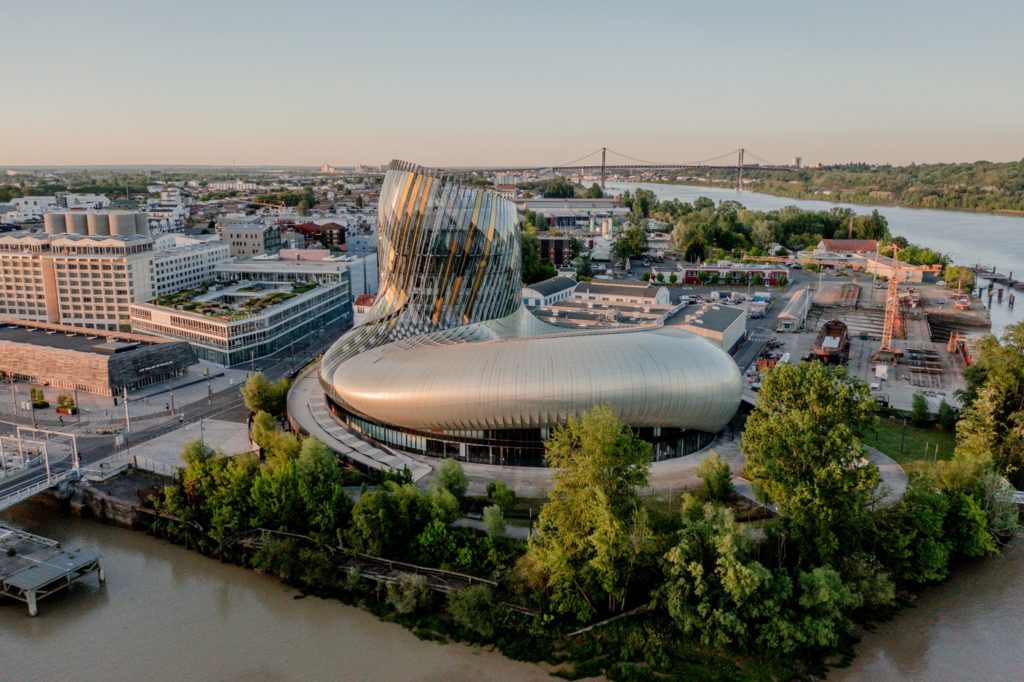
[
  {"x": 717, "y": 477},
  {"x": 409, "y": 593},
  {"x": 474, "y": 609},
  {"x": 919, "y": 414},
  {"x": 494, "y": 521},
  {"x": 673, "y": 278}
]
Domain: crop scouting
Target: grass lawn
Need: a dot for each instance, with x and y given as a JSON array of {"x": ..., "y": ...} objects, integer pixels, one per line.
[{"x": 917, "y": 442}]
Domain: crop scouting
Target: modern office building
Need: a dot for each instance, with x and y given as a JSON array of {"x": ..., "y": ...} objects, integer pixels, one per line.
[
  {"x": 233, "y": 323},
  {"x": 450, "y": 363}
]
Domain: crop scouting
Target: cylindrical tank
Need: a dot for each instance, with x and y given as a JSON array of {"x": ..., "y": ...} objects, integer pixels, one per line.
[
  {"x": 77, "y": 223},
  {"x": 122, "y": 224},
  {"x": 54, "y": 223},
  {"x": 142, "y": 224},
  {"x": 99, "y": 224}
]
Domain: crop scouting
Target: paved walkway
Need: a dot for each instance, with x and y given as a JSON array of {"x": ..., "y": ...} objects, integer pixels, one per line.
[{"x": 307, "y": 408}]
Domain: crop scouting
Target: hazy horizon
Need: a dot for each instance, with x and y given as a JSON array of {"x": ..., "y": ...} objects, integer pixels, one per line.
[{"x": 453, "y": 83}]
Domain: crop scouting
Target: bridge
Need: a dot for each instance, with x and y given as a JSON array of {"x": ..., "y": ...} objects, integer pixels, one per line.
[
  {"x": 32, "y": 460},
  {"x": 597, "y": 162}
]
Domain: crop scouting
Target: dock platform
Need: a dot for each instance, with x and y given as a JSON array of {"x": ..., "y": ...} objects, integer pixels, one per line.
[{"x": 34, "y": 567}]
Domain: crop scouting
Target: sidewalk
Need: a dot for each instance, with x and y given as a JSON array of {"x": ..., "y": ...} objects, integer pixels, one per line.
[{"x": 144, "y": 405}]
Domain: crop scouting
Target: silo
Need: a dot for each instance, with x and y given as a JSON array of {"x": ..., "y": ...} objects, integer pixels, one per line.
[
  {"x": 142, "y": 224},
  {"x": 122, "y": 224},
  {"x": 99, "y": 224},
  {"x": 54, "y": 223},
  {"x": 77, "y": 223}
]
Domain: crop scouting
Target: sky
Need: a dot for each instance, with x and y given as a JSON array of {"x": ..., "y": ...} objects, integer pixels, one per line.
[{"x": 446, "y": 83}]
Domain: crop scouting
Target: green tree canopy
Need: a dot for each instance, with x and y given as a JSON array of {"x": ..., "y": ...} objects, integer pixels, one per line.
[
  {"x": 592, "y": 531},
  {"x": 803, "y": 450}
]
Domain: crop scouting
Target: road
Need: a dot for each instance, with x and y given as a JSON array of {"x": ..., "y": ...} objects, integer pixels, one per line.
[{"x": 92, "y": 449}]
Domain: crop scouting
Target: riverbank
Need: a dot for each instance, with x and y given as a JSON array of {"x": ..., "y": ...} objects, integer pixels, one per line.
[
  {"x": 166, "y": 612},
  {"x": 970, "y": 238},
  {"x": 880, "y": 202}
]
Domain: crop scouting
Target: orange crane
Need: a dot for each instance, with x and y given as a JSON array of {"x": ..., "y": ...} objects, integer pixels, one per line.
[{"x": 885, "y": 352}]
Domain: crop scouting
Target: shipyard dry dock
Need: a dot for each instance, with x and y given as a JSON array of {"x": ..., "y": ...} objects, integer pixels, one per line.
[
  {"x": 928, "y": 358},
  {"x": 32, "y": 567}
]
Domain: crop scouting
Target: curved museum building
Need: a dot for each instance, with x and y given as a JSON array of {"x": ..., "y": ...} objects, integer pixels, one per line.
[{"x": 449, "y": 363}]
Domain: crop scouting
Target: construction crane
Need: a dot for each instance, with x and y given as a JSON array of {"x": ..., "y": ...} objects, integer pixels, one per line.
[
  {"x": 885, "y": 352},
  {"x": 280, "y": 206}
]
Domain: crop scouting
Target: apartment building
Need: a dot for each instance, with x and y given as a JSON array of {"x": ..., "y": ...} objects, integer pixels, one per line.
[{"x": 252, "y": 239}]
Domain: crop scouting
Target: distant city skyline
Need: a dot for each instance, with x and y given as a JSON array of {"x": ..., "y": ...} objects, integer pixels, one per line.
[{"x": 447, "y": 83}]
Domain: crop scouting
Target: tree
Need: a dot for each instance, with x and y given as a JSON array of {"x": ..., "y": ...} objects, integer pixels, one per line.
[
  {"x": 991, "y": 426},
  {"x": 956, "y": 276},
  {"x": 946, "y": 416},
  {"x": 660, "y": 276},
  {"x": 409, "y": 593},
  {"x": 592, "y": 531},
  {"x": 534, "y": 269},
  {"x": 583, "y": 266},
  {"x": 359, "y": 201},
  {"x": 320, "y": 487},
  {"x": 919, "y": 414},
  {"x": 262, "y": 395},
  {"x": 66, "y": 402},
  {"x": 910, "y": 536},
  {"x": 646, "y": 276},
  {"x": 494, "y": 521},
  {"x": 501, "y": 495},
  {"x": 717, "y": 590},
  {"x": 594, "y": 192},
  {"x": 673, "y": 278},
  {"x": 453, "y": 478},
  {"x": 717, "y": 478},
  {"x": 474, "y": 609},
  {"x": 803, "y": 449}
]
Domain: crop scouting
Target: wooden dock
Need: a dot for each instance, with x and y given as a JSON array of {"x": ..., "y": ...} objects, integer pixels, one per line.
[{"x": 34, "y": 567}]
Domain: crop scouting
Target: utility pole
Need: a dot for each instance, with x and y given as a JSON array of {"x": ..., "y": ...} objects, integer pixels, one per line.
[
  {"x": 604, "y": 151},
  {"x": 127, "y": 415},
  {"x": 739, "y": 171},
  {"x": 14, "y": 397},
  {"x": 172, "y": 395},
  {"x": 78, "y": 408}
]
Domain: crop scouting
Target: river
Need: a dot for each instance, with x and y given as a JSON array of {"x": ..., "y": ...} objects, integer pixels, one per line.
[
  {"x": 969, "y": 238},
  {"x": 168, "y": 613}
]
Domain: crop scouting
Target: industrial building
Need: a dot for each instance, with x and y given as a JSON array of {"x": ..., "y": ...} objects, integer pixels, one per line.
[
  {"x": 104, "y": 364},
  {"x": 549, "y": 291},
  {"x": 449, "y": 363}
]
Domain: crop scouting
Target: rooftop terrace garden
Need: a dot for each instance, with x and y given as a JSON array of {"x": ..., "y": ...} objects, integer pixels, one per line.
[{"x": 233, "y": 302}]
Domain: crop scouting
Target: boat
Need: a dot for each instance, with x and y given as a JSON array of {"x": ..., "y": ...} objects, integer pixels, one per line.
[{"x": 832, "y": 345}]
